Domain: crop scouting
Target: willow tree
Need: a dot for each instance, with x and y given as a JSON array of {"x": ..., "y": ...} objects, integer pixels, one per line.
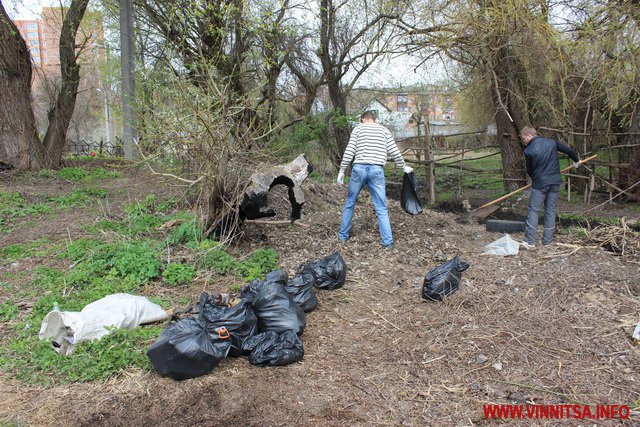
[
  {"x": 508, "y": 48},
  {"x": 20, "y": 144},
  {"x": 606, "y": 44}
]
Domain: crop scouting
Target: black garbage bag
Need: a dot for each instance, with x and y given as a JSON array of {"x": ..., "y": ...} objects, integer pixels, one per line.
[
  {"x": 186, "y": 350},
  {"x": 275, "y": 308},
  {"x": 240, "y": 320},
  {"x": 300, "y": 287},
  {"x": 274, "y": 349},
  {"x": 443, "y": 280},
  {"x": 278, "y": 276},
  {"x": 409, "y": 197},
  {"x": 329, "y": 272}
]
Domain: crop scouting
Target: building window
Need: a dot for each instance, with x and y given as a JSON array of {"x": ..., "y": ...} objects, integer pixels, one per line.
[
  {"x": 35, "y": 51},
  {"x": 32, "y": 35},
  {"x": 44, "y": 42},
  {"x": 33, "y": 42},
  {"x": 36, "y": 59},
  {"x": 403, "y": 103},
  {"x": 32, "y": 26}
]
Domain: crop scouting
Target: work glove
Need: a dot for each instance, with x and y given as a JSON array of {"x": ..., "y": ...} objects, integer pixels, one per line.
[
  {"x": 576, "y": 165},
  {"x": 407, "y": 169},
  {"x": 340, "y": 179}
]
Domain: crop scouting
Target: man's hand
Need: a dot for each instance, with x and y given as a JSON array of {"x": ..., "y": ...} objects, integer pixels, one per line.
[
  {"x": 576, "y": 165},
  {"x": 340, "y": 179},
  {"x": 407, "y": 169}
]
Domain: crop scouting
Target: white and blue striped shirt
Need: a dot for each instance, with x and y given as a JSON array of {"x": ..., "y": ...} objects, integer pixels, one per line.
[{"x": 371, "y": 143}]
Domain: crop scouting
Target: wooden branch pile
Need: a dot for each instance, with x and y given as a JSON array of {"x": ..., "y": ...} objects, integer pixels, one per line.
[{"x": 619, "y": 239}]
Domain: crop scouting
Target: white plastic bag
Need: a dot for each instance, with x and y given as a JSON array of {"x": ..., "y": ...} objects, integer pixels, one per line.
[
  {"x": 636, "y": 333},
  {"x": 67, "y": 328},
  {"x": 503, "y": 246}
]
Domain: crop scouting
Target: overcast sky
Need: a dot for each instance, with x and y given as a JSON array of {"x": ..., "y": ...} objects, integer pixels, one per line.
[
  {"x": 392, "y": 73},
  {"x": 29, "y": 9}
]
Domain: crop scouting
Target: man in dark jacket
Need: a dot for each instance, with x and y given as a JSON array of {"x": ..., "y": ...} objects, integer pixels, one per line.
[{"x": 543, "y": 168}]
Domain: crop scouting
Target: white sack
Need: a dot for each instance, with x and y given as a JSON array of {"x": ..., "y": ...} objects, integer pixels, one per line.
[
  {"x": 503, "y": 246},
  {"x": 67, "y": 328}
]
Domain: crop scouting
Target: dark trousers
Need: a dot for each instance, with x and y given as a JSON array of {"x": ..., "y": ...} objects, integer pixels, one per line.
[{"x": 547, "y": 196}]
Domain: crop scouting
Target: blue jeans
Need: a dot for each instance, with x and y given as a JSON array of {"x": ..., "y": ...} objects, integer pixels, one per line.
[
  {"x": 549, "y": 197},
  {"x": 373, "y": 177}
]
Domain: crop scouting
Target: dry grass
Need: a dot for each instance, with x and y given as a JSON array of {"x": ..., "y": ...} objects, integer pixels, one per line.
[{"x": 554, "y": 327}]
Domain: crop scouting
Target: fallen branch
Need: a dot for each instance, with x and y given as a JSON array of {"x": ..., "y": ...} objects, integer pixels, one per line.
[{"x": 383, "y": 318}]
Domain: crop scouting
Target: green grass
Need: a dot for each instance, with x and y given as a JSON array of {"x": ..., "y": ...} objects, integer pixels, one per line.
[
  {"x": 94, "y": 268},
  {"x": 79, "y": 197},
  {"x": 178, "y": 274},
  {"x": 34, "y": 361},
  {"x": 14, "y": 205},
  {"x": 212, "y": 255},
  {"x": 16, "y": 251},
  {"x": 98, "y": 269},
  {"x": 86, "y": 175}
]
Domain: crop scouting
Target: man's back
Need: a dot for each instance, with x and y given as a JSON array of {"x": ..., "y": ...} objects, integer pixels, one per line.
[
  {"x": 371, "y": 143},
  {"x": 542, "y": 161}
]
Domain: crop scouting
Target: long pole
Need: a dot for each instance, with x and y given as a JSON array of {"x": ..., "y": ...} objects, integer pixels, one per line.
[
  {"x": 127, "y": 67},
  {"x": 506, "y": 196}
]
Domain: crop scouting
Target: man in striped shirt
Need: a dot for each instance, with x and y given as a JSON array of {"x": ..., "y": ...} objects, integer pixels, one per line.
[{"x": 368, "y": 147}]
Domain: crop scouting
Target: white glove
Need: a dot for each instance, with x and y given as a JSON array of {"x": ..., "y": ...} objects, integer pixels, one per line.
[
  {"x": 340, "y": 179},
  {"x": 576, "y": 165},
  {"x": 407, "y": 169}
]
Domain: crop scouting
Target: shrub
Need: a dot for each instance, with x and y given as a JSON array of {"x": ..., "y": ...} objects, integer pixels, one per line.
[
  {"x": 189, "y": 231},
  {"x": 258, "y": 264},
  {"x": 178, "y": 274}
]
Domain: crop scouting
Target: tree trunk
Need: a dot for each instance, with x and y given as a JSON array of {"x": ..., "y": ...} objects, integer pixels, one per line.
[
  {"x": 331, "y": 67},
  {"x": 60, "y": 115},
  {"x": 19, "y": 142},
  {"x": 509, "y": 118}
]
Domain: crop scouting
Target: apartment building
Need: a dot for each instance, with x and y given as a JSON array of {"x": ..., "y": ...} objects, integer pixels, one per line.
[
  {"x": 33, "y": 34},
  {"x": 43, "y": 38}
]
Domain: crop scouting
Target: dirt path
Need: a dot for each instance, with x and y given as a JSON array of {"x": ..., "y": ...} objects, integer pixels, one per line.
[{"x": 540, "y": 327}]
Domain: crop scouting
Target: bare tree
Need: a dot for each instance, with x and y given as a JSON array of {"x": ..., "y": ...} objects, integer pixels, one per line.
[
  {"x": 21, "y": 145},
  {"x": 353, "y": 35},
  {"x": 606, "y": 47},
  {"x": 511, "y": 50}
]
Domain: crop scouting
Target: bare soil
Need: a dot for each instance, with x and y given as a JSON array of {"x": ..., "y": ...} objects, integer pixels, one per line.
[{"x": 549, "y": 326}]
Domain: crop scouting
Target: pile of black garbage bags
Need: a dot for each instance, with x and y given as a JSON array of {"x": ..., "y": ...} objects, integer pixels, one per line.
[{"x": 264, "y": 323}]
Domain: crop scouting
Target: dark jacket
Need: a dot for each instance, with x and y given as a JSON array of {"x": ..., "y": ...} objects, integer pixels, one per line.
[{"x": 542, "y": 161}]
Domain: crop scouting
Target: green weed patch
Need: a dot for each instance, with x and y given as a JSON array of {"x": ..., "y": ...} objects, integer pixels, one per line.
[
  {"x": 213, "y": 256},
  {"x": 79, "y": 197},
  {"x": 178, "y": 274},
  {"x": 25, "y": 250},
  {"x": 98, "y": 269},
  {"x": 34, "y": 361},
  {"x": 86, "y": 175},
  {"x": 13, "y": 205}
]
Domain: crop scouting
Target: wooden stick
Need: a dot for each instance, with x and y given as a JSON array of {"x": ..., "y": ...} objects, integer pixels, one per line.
[{"x": 521, "y": 189}]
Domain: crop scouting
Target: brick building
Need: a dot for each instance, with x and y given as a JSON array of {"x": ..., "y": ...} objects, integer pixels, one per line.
[{"x": 43, "y": 38}]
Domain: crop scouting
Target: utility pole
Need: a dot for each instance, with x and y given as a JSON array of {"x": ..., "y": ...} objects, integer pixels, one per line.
[{"x": 127, "y": 67}]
